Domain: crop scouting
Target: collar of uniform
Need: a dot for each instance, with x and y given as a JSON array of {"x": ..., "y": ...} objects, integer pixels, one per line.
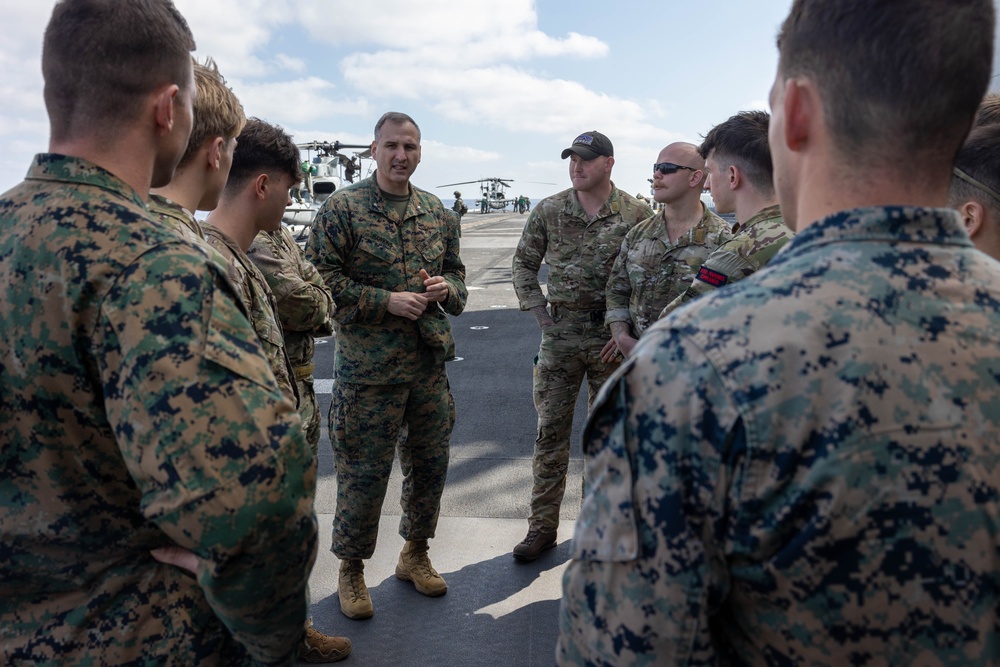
[
  {"x": 378, "y": 204},
  {"x": 766, "y": 213},
  {"x": 162, "y": 205},
  {"x": 908, "y": 224},
  {"x": 611, "y": 207},
  {"x": 68, "y": 169}
]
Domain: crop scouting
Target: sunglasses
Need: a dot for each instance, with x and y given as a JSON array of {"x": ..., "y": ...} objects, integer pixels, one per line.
[{"x": 670, "y": 168}]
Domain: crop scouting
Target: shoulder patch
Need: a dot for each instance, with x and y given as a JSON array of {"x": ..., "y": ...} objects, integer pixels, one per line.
[{"x": 713, "y": 278}]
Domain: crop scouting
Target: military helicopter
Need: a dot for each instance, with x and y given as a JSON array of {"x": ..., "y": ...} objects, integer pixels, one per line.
[
  {"x": 326, "y": 167},
  {"x": 494, "y": 193}
]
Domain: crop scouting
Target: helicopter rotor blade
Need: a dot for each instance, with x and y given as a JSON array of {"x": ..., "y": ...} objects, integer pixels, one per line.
[{"x": 448, "y": 185}]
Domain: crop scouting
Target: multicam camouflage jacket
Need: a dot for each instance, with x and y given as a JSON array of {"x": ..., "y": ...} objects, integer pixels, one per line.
[
  {"x": 137, "y": 411},
  {"x": 365, "y": 252},
  {"x": 177, "y": 217},
  {"x": 803, "y": 468},
  {"x": 650, "y": 271},
  {"x": 580, "y": 252},
  {"x": 752, "y": 246},
  {"x": 259, "y": 302},
  {"x": 304, "y": 306}
]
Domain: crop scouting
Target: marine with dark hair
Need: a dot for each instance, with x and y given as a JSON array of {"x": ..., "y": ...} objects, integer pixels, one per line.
[
  {"x": 975, "y": 187},
  {"x": 138, "y": 415},
  {"x": 389, "y": 252},
  {"x": 804, "y": 468},
  {"x": 740, "y": 178},
  {"x": 265, "y": 168}
]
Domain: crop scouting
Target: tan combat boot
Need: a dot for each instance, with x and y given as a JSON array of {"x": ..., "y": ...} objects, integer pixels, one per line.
[
  {"x": 317, "y": 648},
  {"x": 415, "y": 566},
  {"x": 354, "y": 600}
]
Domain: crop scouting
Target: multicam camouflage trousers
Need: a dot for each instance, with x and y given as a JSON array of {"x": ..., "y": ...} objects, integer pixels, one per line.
[
  {"x": 309, "y": 411},
  {"x": 570, "y": 350},
  {"x": 365, "y": 424}
]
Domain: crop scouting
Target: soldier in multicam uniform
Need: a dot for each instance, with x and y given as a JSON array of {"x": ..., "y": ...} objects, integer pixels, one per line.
[
  {"x": 578, "y": 233},
  {"x": 660, "y": 256},
  {"x": 264, "y": 171},
  {"x": 304, "y": 309},
  {"x": 253, "y": 200},
  {"x": 389, "y": 253},
  {"x": 139, "y": 414},
  {"x": 804, "y": 468},
  {"x": 740, "y": 177},
  {"x": 975, "y": 187}
]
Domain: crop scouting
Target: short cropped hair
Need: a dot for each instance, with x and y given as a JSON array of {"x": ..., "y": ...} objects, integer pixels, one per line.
[
  {"x": 980, "y": 160},
  {"x": 742, "y": 141},
  {"x": 897, "y": 78},
  {"x": 989, "y": 110},
  {"x": 217, "y": 111},
  {"x": 396, "y": 117},
  {"x": 100, "y": 58},
  {"x": 262, "y": 148}
]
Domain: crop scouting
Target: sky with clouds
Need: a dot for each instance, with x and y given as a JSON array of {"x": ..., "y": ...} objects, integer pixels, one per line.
[{"x": 498, "y": 88}]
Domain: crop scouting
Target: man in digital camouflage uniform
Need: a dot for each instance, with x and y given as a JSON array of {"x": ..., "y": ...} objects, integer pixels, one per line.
[
  {"x": 304, "y": 311},
  {"x": 138, "y": 413},
  {"x": 975, "y": 187},
  {"x": 660, "y": 256},
  {"x": 253, "y": 200},
  {"x": 578, "y": 233},
  {"x": 202, "y": 172},
  {"x": 740, "y": 177},
  {"x": 804, "y": 467},
  {"x": 389, "y": 252}
]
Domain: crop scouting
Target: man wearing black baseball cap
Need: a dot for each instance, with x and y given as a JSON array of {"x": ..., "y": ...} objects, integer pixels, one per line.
[
  {"x": 590, "y": 145},
  {"x": 578, "y": 233}
]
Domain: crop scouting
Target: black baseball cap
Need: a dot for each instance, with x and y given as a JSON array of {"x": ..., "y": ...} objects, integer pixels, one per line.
[{"x": 589, "y": 145}]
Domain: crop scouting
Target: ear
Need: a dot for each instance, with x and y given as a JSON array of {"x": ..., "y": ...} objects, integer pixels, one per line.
[
  {"x": 801, "y": 109},
  {"x": 163, "y": 104},
  {"x": 215, "y": 153},
  {"x": 697, "y": 179},
  {"x": 734, "y": 177},
  {"x": 972, "y": 215},
  {"x": 609, "y": 164},
  {"x": 373, "y": 150},
  {"x": 260, "y": 186}
]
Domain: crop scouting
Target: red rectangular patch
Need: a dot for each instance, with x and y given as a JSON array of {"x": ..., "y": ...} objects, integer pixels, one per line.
[{"x": 713, "y": 278}]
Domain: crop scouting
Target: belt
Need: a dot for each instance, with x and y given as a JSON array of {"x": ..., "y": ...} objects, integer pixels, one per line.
[
  {"x": 594, "y": 315},
  {"x": 304, "y": 371}
]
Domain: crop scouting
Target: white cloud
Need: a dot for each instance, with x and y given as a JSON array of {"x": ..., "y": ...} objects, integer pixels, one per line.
[
  {"x": 289, "y": 63},
  {"x": 457, "y": 153},
  {"x": 300, "y": 101},
  {"x": 234, "y": 32}
]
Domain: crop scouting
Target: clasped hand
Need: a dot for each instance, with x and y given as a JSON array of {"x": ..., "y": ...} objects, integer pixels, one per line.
[{"x": 412, "y": 305}]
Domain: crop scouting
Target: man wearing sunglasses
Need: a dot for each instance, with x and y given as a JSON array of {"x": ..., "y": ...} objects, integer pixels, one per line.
[
  {"x": 975, "y": 188},
  {"x": 661, "y": 255},
  {"x": 804, "y": 468},
  {"x": 578, "y": 233},
  {"x": 740, "y": 177}
]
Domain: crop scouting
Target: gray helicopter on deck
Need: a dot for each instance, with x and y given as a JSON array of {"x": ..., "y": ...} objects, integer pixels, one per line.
[
  {"x": 326, "y": 167},
  {"x": 494, "y": 195}
]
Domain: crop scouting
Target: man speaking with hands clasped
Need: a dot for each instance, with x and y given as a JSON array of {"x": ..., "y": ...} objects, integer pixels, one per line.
[{"x": 389, "y": 254}]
